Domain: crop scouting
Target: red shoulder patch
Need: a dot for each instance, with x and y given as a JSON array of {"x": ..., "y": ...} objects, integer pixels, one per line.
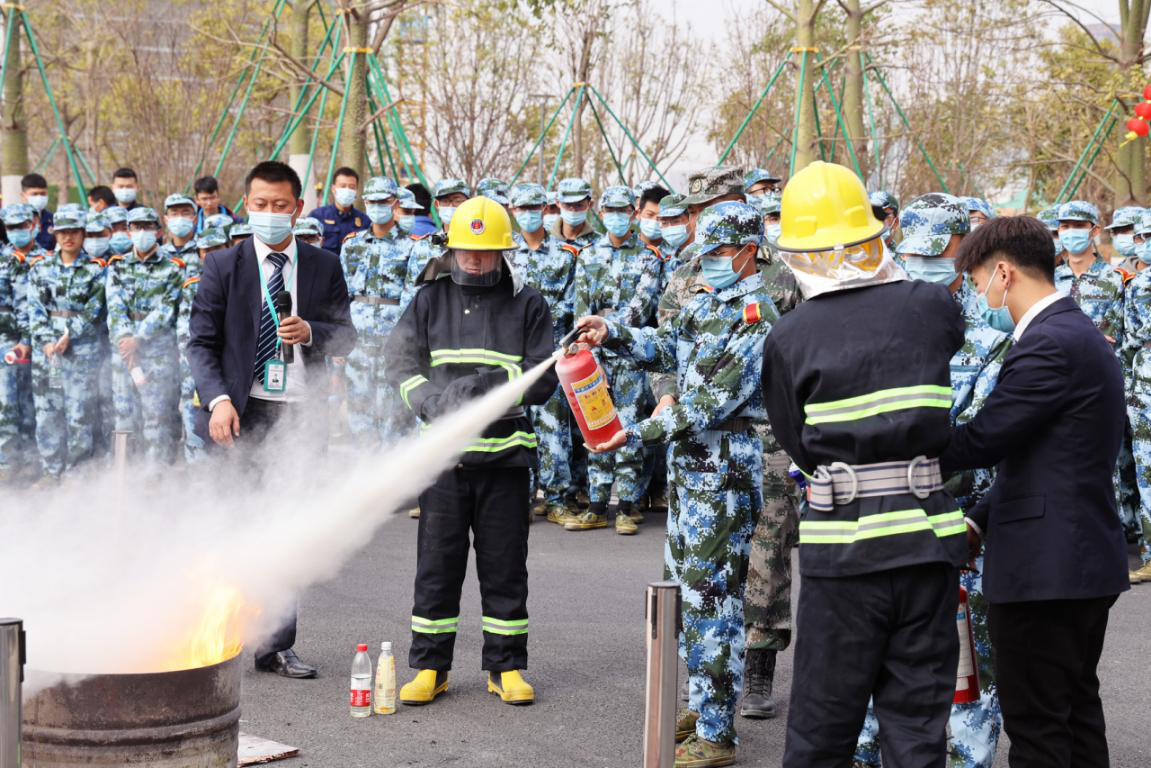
[
  {"x": 178, "y": 262},
  {"x": 191, "y": 281},
  {"x": 752, "y": 313}
]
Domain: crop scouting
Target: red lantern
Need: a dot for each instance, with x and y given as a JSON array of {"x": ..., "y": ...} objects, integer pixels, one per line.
[
  {"x": 1138, "y": 127},
  {"x": 1147, "y": 92},
  {"x": 1143, "y": 110}
]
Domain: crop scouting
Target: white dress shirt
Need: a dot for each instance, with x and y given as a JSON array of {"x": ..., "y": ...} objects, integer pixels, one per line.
[
  {"x": 296, "y": 386},
  {"x": 1032, "y": 313}
]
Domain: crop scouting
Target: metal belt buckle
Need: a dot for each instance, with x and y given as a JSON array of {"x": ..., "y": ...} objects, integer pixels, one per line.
[
  {"x": 916, "y": 491},
  {"x": 854, "y": 481}
]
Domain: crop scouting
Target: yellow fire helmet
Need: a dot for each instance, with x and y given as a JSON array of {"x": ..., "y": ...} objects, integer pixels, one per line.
[
  {"x": 481, "y": 224},
  {"x": 828, "y": 235}
]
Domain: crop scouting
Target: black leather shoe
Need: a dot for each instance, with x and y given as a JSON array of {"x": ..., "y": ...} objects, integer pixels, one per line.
[{"x": 286, "y": 664}]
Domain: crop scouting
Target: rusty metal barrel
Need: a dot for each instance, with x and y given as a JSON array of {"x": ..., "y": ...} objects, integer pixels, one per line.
[{"x": 184, "y": 719}]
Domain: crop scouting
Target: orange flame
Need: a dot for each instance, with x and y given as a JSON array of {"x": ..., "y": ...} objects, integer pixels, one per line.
[{"x": 219, "y": 634}]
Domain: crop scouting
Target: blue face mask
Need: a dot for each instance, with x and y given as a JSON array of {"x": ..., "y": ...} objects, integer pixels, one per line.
[
  {"x": 380, "y": 214},
  {"x": 674, "y": 235},
  {"x": 719, "y": 271},
  {"x": 998, "y": 318},
  {"x": 937, "y": 270},
  {"x": 406, "y": 222},
  {"x": 144, "y": 240},
  {"x": 551, "y": 221},
  {"x": 1075, "y": 241},
  {"x": 772, "y": 232},
  {"x": 271, "y": 228},
  {"x": 120, "y": 242},
  {"x": 1124, "y": 244},
  {"x": 617, "y": 224},
  {"x": 1057, "y": 245},
  {"x": 446, "y": 212},
  {"x": 344, "y": 196},
  {"x": 20, "y": 237},
  {"x": 95, "y": 246},
  {"x": 180, "y": 227},
  {"x": 39, "y": 202},
  {"x": 649, "y": 228},
  {"x": 1143, "y": 251},
  {"x": 530, "y": 221},
  {"x": 574, "y": 218}
]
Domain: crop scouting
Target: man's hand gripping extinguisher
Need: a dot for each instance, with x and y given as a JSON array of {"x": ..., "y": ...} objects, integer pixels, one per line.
[{"x": 586, "y": 387}]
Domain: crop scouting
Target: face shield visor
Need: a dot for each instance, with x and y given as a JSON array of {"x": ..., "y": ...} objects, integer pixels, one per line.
[
  {"x": 843, "y": 267},
  {"x": 476, "y": 269}
]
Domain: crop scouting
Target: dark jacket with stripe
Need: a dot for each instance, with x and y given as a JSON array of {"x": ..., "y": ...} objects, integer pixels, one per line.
[
  {"x": 454, "y": 343},
  {"x": 862, "y": 376}
]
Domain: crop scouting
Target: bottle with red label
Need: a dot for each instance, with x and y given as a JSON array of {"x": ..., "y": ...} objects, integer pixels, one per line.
[
  {"x": 361, "y": 690},
  {"x": 586, "y": 387}
]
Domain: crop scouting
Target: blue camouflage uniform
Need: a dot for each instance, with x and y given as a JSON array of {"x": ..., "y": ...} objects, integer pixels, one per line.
[
  {"x": 17, "y": 409},
  {"x": 715, "y": 345},
  {"x": 339, "y": 225},
  {"x": 66, "y": 300},
  {"x": 143, "y": 304},
  {"x": 675, "y": 242},
  {"x": 1136, "y": 357},
  {"x": 573, "y": 190},
  {"x": 620, "y": 282},
  {"x": 494, "y": 189},
  {"x": 550, "y": 269},
  {"x": 423, "y": 248},
  {"x": 208, "y": 239}
]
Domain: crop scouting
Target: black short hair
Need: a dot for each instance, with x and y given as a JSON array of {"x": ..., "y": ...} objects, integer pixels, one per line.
[
  {"x": 206, "y": 185},
  {"x": 103, "y": 193},
  {"x": 652, "y": 195},
  {"x": 33, "y": 181},
  {"x": 879, "y": 212},
  {"x": 274, "y": 171},
  {"x": 344, "y": 170},
  {"x": 124, "y": 173},
  {"x": 422, "y": 195},
  {"x": 1022, "y": 240}
]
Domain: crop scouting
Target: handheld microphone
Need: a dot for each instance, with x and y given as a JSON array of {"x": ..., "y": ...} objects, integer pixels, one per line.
[{"x": 283, "y": 303}]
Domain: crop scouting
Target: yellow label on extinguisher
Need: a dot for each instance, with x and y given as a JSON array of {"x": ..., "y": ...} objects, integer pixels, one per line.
[{"x": 594, "y": 401}]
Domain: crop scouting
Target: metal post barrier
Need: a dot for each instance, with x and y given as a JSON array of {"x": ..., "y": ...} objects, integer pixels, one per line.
[
  {"x": 12, "y": 659},
  {"x": 662, "y": 608}
]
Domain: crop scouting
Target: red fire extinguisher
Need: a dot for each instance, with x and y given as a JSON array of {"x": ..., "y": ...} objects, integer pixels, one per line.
[
  {"x": 16, "y": 357},
  {"x": 585, "y": 385},
  {"x": 967, "y": 674}
]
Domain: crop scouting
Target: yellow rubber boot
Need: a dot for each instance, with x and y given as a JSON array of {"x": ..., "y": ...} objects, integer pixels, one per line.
[
  {"x": 511, "y": 687},
  {"x": 424, "y": 688}
]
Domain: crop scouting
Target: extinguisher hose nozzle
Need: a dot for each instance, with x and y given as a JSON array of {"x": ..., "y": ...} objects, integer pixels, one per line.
[{"x": 567, "y": 340}]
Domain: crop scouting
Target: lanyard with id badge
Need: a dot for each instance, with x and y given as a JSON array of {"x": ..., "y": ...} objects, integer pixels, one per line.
[{"x": 276, "y": 368}]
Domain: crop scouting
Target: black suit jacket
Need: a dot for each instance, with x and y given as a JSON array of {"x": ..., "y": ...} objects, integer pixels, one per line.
[
  {"x": 225, "y": 320},
  {"x": 1052, "y": 428}
]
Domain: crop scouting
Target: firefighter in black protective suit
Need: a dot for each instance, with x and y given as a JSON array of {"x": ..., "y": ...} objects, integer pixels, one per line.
[
  {"x": 472, "y": 326},
  {"x": 857, "y": 387}
]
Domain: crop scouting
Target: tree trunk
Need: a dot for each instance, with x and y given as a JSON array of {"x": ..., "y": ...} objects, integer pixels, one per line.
[
  {"x": 298, "y": 144},
  {"x": 352, "y": 140},
  {"x": 853, "y": 93},
  {"x": 1130, "y": 181},
  {"x": 805, "y": 39},
  {"x": 13, "y": 138}
]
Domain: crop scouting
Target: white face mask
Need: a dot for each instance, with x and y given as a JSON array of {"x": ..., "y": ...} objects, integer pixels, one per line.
[{"x": 125, "y": 195}]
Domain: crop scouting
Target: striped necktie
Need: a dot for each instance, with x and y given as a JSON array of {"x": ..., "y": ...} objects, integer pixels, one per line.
[{"x": 266, "y": 345}]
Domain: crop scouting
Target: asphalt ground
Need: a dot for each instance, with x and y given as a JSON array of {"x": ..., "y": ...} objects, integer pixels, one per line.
[{"x": 586, "y": 663}]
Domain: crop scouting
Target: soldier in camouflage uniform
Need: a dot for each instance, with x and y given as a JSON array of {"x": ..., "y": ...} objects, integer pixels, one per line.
[
  {"x": 1136, "y": 357},
  {"x": 447, "y": 195},
  {"x": 220, "y": 221},
  {"x": 618, "y": 278},
  {"x": 377, "y": 288},
  {"x": 65, "y": 311},
  {"x": 240, "y": 232},
  {"x": 978, "y": 211},
  {"x": 143, "y": 304},
  {"x": 311, "y": 231},
  {"x": 549, "y": 266},
  {"x": 494, "y": 189},
  {"x": 119, "y": 242},
  {"x": 573, "y": 196},
  {"x": 180, "y": 223},
  {"x": 97, "y": 244},
  {"x": 760, "y": 182},
  {"x": 118, "y": 401},
  {"x": 933, "y": 226},
  {"x": 715, "y": 346},
  {"x": 17, "y": 410},
  {"x": 1050, "y": 218},
  {"x": 675, "y": 234},
  {"x": 1122, "y": 231}
]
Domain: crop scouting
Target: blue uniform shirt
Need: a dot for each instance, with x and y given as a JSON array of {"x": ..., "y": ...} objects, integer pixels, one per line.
[
  {"x": 339, "y": 224},
  {"x": 423, "y": 225}
]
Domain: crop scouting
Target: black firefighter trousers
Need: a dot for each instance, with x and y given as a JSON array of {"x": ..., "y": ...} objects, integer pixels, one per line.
[
  {"x": 491, "y": 504},
  {"x": 891, "y": 635}
]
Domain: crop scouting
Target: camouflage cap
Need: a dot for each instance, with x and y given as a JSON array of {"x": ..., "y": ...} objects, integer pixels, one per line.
[
  {"x": 572, "y": 190},
  {"x": 218, "y": 221},
  {"x": 379, "y": 188},
  {"x": 493, "y": 189},
  {"x": 1050, "y": 217},
  {"x": 212, "y": 237},
  {"x": 770, "y": 204},
  {"x": 143, "y": 215},
  {"x": 240, "y": 229},
  {"x": 97, "y": 223},
  {"x": 644, "y": 186},
  {"x": 528, "y": 193},
  {"x": 1078, "y": 210},
  {"x": 445, "y": 187},
  {"x": 728, "y": 223},
  {"x": 308, "y": 226},
  {"x": 756, "y": 175},
  {"x": 928, "y": 223},
  {"x": 70, "y": 216},
  {"x": 705, "y": 186},
  {"x": 1126, "y": 216},
  {"x": 553, "y": 198},
  {"x": 881, "y": 198},
  {"x": 1143, "y": 224},
  {"x": 978, "y": 204},
  {"x": 18, "y": 213},
  {"x": 408, "y": 200},
  {"x": 178, "y": 198},
  {"x": 672, "y": 206},
  {"x": 116, "y": 214},
  {"x": 617, "y": 197}
]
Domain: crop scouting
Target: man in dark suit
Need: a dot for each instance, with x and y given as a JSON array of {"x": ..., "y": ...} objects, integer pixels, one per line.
[
  {"x": 256, "y": 302},
  {"x": 1055, "y": 558}
]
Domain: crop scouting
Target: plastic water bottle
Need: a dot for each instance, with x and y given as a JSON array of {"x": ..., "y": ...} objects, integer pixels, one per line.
[
  {"x": 385, "y": 698},
  {"x": 361, "y": 689}
]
